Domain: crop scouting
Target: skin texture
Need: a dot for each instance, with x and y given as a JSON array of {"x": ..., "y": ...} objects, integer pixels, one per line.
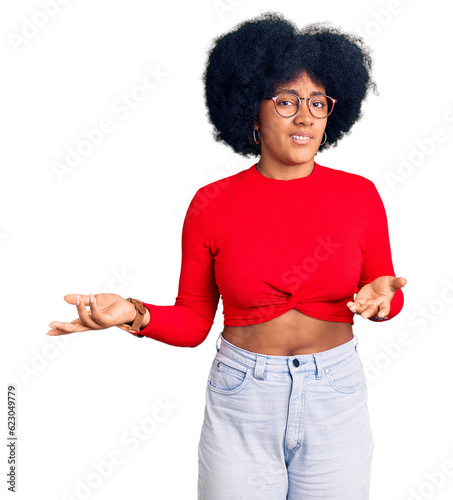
[
  {"x": 281, "y": 158},
  {"x": 293, "y": 332}
]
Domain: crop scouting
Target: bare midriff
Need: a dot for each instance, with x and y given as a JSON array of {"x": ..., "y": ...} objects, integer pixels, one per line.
[{"x": 289, "y": 334}]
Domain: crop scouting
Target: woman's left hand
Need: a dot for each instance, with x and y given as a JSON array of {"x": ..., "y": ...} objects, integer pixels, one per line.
[{"x": 374, "y": 298}]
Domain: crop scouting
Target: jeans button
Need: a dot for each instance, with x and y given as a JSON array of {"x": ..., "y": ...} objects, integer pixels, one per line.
[{"x": 295, "y": 362}]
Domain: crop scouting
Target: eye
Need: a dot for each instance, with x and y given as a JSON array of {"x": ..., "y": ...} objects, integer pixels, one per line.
[
  {"x": 287, "y": 100},
  {"x": 319, "y": 103}
]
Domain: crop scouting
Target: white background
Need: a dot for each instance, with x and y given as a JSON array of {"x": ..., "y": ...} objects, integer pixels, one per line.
[{"x": 113, "y": 223}]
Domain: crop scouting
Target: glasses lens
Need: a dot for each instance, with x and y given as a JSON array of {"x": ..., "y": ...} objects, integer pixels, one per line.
[
  {"x": 287, "y": 105},
  {"x": 321, "y": 106}
]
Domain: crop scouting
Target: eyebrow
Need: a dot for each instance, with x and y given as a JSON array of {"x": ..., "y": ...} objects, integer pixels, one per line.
[{"x": 295, "y": 91}]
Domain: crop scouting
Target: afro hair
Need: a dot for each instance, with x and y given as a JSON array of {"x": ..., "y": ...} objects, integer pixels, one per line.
[{"x": 247, "y": 64}]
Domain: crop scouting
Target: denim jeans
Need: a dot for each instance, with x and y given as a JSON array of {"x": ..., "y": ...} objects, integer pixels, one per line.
[{"x": 285, "y": 427}]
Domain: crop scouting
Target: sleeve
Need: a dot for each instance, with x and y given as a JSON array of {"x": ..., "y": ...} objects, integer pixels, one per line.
[
  {"x": 377, "y": 254},
  {"x": 187, "y": 323}
]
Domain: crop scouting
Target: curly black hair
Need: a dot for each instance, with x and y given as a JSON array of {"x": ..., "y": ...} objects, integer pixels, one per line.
[{"x": 247, "y": 64}]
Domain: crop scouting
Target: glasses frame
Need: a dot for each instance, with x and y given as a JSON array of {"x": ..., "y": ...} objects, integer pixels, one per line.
[{"x": 334, "y": 101}]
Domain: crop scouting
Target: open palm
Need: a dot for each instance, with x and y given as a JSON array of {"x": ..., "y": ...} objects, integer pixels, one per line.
[
  {"x": 374, "y": 298},
  {"x": 106, "y": 310}
]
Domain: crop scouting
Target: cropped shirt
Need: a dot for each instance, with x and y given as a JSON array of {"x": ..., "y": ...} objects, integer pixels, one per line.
[{"x": 267, "y": 246}]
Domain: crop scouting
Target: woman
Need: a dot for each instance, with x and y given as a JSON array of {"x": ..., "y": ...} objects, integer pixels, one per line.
[{"x": 286, "y": 243}]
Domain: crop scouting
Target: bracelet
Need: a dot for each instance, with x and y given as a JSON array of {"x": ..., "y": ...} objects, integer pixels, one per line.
[{"x": 140, "y": 313}]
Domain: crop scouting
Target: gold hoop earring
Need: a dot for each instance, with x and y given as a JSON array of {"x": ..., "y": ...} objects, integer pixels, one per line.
[
  {"x": 254, "y": 138},
  {"x": 324, "y": 139}
]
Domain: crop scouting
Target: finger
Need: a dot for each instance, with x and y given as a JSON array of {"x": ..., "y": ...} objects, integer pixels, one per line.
[
  {"x": 360, "y": 306},
  {"x": 85, "y": 318},
  {"x": 369, "y": 310},
  {"x": 63, "y": 328},
  {"x": 71, "y": 298},
  {"x": 351, "y": 306},
  {"x": 396, "y": 283},
  {"x": 95, "y": 312},
  {"x": 384, "y": 311},
  {"x": 59, "y": 331},
  {"x": 356, "y": 306}
]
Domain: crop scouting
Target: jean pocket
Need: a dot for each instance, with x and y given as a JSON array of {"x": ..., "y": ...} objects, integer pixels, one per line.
[
  {"x": 347, "y": 375},
  {"x": 227, "y": 376}
]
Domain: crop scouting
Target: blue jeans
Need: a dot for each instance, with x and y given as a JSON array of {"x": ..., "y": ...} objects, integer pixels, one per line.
[{"x": 285, "y": 427}]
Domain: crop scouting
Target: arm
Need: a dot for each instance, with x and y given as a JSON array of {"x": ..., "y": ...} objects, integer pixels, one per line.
[
  {"x": 377, "y": 254},
  {"x": 187, "y": 323}
]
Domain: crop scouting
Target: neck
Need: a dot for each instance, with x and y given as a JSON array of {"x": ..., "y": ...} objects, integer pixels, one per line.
[{"x": 284, "y": 171}]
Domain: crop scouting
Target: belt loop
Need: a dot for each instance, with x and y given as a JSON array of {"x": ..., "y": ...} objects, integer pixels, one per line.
[
  {"x": 318, "y": 366},
  {"x": 356, "y": 341},
  {"x": 260, "y": 365},
  {"x": 217, "y": 344}
]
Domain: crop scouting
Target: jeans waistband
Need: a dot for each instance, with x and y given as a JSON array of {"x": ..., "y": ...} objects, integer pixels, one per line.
[{"x": 317, "y": 361}]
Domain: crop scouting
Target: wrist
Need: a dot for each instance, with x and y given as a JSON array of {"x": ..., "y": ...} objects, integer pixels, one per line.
[
  {"x": 138, "y": 315},
  {"x": 132, "y": 315}
]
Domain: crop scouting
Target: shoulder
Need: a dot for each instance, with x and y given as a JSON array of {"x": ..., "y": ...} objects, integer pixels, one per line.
[
  {"x": 348, "y": 180},
  {"x": 213, "y": 200},
  {"x": 221, "y": 189}
]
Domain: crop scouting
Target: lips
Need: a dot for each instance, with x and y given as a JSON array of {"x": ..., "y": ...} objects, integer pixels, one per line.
[
  {"x": 301, "y": 138},
  {"x": 302, "y": 134}
]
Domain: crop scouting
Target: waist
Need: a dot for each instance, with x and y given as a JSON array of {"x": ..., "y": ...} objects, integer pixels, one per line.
[
  {"x": 289, "y": 334},
  {"x": 276, "y": 363}
]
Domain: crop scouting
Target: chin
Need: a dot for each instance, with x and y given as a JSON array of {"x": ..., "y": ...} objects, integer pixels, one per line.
[{"x": 304, "y": 157}]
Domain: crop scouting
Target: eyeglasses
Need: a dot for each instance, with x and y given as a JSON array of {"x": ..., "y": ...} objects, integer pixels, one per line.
[{"x": 287, "y": 105}]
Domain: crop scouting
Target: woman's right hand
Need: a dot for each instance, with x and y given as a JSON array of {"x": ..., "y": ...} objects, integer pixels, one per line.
[{"x": 106, "y": 310}]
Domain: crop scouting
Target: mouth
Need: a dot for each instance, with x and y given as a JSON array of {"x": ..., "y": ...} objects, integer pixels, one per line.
[{"x": 301, "y": 138}]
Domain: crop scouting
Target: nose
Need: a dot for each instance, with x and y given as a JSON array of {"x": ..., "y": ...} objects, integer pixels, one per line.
[{"x": 304, "y": 114}]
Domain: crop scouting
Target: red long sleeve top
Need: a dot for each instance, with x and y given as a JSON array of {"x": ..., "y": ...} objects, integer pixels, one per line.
[{"x": 270, "y": 245}]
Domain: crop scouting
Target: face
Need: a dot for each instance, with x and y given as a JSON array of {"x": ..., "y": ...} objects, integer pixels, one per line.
[{"x": 277, "y": 146}]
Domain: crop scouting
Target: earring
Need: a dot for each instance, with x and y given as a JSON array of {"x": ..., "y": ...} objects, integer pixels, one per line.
[
  {"x": 254, "y": 137},
  {"x": 324, "y": 139}
]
